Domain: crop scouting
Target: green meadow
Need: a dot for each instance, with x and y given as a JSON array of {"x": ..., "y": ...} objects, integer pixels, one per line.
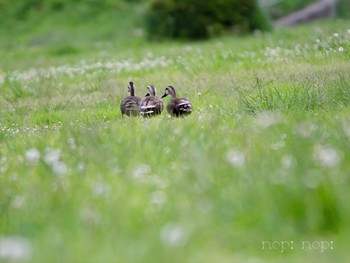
[{"x": 259, "y": 172}]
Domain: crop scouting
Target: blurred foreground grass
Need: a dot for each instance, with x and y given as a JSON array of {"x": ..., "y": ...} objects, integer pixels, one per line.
[{"x": 263, "y": 157}]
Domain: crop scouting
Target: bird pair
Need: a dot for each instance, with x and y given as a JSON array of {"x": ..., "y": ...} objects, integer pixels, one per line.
[{"x": 151, "y": 105}]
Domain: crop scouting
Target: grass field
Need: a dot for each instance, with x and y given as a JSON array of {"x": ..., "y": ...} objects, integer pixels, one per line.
[{"x": 258, "y": 173}]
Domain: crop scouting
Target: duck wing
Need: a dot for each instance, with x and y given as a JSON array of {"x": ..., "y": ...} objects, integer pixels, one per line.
[
  {"x": 151, "y": 105},
  {"x": 130, "y": 106},
  {"x": 183, "y": 106}
]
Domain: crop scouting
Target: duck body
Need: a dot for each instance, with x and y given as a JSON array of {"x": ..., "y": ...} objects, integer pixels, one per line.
[
  {"x": 177, "y": 107},
  {"x": 151, "y": 105},
  {"x": 130, "y": 105}
]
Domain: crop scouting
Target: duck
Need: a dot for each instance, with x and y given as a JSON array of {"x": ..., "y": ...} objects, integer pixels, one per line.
[
  {"x": 130, "y": 105},
  {"x": 151, "y": 105},
  {"x": 177, "y": 107}
]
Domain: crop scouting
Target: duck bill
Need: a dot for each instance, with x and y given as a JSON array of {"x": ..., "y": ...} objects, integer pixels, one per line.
[
  {"x": 147, "y": 95},
  {"x": 164, "y": 95}
]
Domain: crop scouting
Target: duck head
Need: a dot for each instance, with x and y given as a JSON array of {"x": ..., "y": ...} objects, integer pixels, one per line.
[
  {"x": 151, "y": 91},
  {"x": 169, "y": 91}
]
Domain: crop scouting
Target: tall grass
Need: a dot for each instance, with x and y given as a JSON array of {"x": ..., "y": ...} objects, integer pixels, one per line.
[{"x": 310, "y": 95}]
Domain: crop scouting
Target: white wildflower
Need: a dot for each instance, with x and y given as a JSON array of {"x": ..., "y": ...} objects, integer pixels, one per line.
[
  {"x": 236, "y": 158},
  {"x": 108, "y": 65},
  {"x": 32, "y": 155},
  {"x": 3, "y": 169},
  {"x": 71, "y": 143},
  {"x": 18, "y": 202},
  {"x": 52, "y": 156},
  {"x": 158, "y": 182},
  {"x": 278, "y": 145},
  {"x": 14, "y": 249},
  {"x": 341, "y": 49},
  {"x": 3, "y": 164},
  {"x": 157, "y": 198},
  {"x": 166, "y": 150},
  {"x": 267, "y": 119},
  {"x": 81, "y": 167},
  {"x": 173, "y": 235},
  {"x": 188, "y": 49},
  {"x": 306, "y": 129},
  {"x": 59, "y": 168},
  {"x": 90, "y": 216},
  {"x": 101, "y": 189},
  {"x": 141, "y": 171},
  {"x": 326, "y": 156},
  {"x": 312, "y": 179},
  {"x": 288, "y": 161}
]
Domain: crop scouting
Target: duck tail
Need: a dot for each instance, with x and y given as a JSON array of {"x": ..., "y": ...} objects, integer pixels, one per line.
[{"x": 185, "y": 107}]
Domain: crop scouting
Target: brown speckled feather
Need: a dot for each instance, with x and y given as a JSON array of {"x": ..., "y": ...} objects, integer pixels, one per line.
[
  {"x": 177, "y": 107},
  {"x": 151, "y": 105},
  {"x": 130, "y": 105}
]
